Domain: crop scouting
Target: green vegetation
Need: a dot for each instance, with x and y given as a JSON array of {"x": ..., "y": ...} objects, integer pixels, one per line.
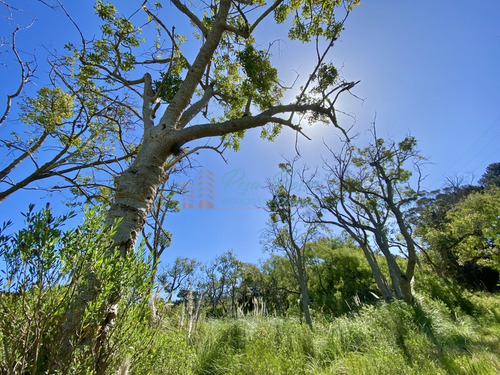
[
  {"x": 228, "y": 317},
  {"x": 379, "y": 339},
  {"x": 410, "y": 285}
]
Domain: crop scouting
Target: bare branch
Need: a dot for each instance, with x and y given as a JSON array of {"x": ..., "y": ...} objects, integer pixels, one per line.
[
  {"x": 184, "y": 9},
  {"x": 264, "y": 15},
  {"x": 27, "y": 72}
]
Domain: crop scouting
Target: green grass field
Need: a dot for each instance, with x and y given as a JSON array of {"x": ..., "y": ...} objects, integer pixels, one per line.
[{"x": 383, "y": 339}]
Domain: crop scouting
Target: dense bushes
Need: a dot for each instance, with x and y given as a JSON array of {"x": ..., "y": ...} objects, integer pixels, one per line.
[
  {"x": 340, "y": 279},
  {"x": 45, "y": 266}
]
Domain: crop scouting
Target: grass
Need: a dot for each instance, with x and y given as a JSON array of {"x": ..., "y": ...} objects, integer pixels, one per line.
[{"x": 383, "y": 339}]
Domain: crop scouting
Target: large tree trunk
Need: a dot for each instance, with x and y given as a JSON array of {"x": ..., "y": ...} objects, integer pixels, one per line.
[{"x": 136, "y": 189}]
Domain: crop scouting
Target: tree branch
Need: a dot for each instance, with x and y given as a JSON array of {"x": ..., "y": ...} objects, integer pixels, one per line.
[
  {"x": 196, "y": 108},
  {"x": 195, "y": 73},
  {"x": 248, "y": 122},
  {"x": 264, "y": 15},
  {"x": 27, "y": 72},
  {"x": 184, "y": 9},
  {"x": 147, "y": 104}
]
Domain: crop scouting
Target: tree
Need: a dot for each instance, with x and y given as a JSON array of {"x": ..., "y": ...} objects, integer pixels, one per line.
[
  {"x": 252, "y": 291},
  {"x": 368, "y": 194},
  {"x": 429, "y": 217},
  {"x": 141, "y": 62},
  {"x": 177, "y": 276},
  {"x": 492, "y": 176},
  {"x": 220, "y": 281},
  {"x": 476, "y": 220},
  {"x": 465, "y": 244},
  {"x": 64, "y": 132},
  {"x": 228, "y": 71},
  {"x": 288, "y": 233},
  {"x": 280, "y": 284}
]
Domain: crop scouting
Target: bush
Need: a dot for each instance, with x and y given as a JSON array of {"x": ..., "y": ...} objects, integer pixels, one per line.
[
  {"x": 453, "y": 295},
  {"x": 340, "y": 279},
  {"x": 45, "y": 269}
]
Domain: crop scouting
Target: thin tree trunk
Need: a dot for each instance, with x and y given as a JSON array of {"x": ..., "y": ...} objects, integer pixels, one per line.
[
  {"x": 394, "y": 270},
  {"x": 304, "y": 294},
  {"x": 380, "y": 279}
]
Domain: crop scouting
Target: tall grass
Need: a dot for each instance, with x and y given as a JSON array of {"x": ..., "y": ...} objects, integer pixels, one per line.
[{"x": 384, "y": 339}]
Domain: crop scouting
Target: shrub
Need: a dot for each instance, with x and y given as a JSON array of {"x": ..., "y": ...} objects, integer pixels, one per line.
[{"x": 45, "y": 267}]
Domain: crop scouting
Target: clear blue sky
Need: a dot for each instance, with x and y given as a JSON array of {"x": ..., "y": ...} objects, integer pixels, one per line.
[{"x": 429, "y": 68}]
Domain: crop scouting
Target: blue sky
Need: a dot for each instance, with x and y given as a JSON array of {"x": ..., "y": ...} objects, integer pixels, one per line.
[{"x": 428, "y": 68}]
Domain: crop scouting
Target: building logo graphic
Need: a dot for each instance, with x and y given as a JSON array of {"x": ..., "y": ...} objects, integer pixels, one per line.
[{"x": 200, "y": 192}]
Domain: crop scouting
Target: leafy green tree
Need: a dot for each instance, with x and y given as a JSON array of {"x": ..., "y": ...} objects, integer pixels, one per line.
[
  {"x": 221, "y": 276},
  {"x": 429, "y": 216},
  {"x": 281, "y": 291},
  {"x": 492, "y": 176},
  {"x": 476, "y": 220},
  {"x": 368, "y": 194},
  {"x": 469, "y": 238},
  {"x": 220, "y": 70},
  {"x": 178, "y": 276},
  {"x": 287, "y": 231},
  {"x": 252, "y": 290},
  {"x": 449, "y": 228}
]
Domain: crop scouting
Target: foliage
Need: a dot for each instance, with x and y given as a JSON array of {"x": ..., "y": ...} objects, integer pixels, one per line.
[
  {"x": 71, "y": 134},
  {"x": 221, "y": 277},
  {"x": 476, "y": 221},
  {"x": 442, "y": 289},
  {"x": 280, "y": 290},
  {"x": 460, "y": 228},
  {"x": 491, "y": 176},
  {"x": 44, "y": 266},
  {"x": 178, "y": 276},
  {"x": 48, "y": 109},
  {"x": 380, "y": 339},
  {"x": 340, "y": 278}
]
